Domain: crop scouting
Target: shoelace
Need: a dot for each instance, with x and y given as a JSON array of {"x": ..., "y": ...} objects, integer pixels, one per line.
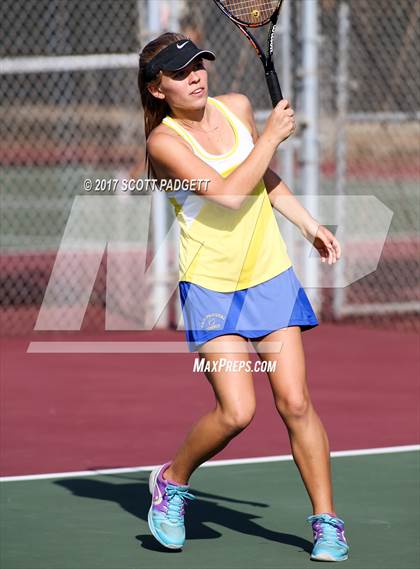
[
  {"x": 327, "y": 529},
  {"x": 176, "y": 497}
]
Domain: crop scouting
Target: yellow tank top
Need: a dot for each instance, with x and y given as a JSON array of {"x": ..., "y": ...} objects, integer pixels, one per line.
[{"x": 220, "y": 248}]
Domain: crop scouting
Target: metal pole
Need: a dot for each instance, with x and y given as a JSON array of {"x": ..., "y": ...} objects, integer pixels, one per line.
[
  {"x": 176, "y": 8},
  {"x": 339, "y": 293},
  {"x": 159, "y": 213},
  {"x": 174, "y": 17},
  {"x": 310, "y": 138},
  {"x": 287, "y": 148}
]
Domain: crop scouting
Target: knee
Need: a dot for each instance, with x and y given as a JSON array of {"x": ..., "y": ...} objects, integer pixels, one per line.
[
  {"x": 236, "y": 420},
  {"x": 294, "y": 407}
]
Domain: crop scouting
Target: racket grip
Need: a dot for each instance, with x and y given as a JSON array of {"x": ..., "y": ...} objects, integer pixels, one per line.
[{"x": 274, "y": 87}]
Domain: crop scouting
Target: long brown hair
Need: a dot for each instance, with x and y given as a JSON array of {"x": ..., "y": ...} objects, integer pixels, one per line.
[{"x": 154, "y": 109}]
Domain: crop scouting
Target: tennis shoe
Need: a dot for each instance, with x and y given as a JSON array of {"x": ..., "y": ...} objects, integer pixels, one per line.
[
  {"x": 330, "y": 543},
  {"x": 166, "y": 514}
]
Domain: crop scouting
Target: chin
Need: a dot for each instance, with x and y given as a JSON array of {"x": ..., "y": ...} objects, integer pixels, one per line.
[
  {"x": 199, "y": 100},
  {"x": 195, "y": 104}
]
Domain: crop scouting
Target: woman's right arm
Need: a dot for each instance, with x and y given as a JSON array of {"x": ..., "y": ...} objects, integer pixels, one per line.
[{"x": 176, "y": 160}]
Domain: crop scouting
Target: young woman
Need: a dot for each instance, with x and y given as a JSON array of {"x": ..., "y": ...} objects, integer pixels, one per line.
[{"x": 236, "y": 279}]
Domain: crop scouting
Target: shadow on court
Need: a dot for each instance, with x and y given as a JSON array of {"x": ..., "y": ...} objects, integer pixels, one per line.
[{"x": 208, "y": 508}]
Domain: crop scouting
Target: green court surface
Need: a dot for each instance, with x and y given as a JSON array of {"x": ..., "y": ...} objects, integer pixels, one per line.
[{"x": 245, "y": 516}]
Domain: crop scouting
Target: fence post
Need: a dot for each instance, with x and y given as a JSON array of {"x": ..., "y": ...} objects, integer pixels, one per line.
[
  {"x": 159, "y": 214},
  {"x": 341, "y": 146},
  {"x": 310, "y": 137},
  {"x": 287, "y": 148}
]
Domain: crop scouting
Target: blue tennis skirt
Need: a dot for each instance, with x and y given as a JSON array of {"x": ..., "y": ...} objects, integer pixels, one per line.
[{"x": 251, "y": 312}]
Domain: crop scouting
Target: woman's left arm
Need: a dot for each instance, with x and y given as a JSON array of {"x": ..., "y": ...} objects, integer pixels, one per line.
[
  {"x": 284, "y": 201},
  {"x": 287, "y": 204},
  {"x": 281, "y": 197}
]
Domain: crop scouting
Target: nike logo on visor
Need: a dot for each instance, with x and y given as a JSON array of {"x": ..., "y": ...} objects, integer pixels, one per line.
[{"x": 181, "y": 45}]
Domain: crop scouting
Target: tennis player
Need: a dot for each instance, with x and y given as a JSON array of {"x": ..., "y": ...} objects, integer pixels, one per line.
[{"x": 237, "y": 281}]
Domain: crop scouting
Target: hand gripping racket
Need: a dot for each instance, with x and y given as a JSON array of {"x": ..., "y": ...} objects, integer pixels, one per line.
[{"x": 255, "y": 14}]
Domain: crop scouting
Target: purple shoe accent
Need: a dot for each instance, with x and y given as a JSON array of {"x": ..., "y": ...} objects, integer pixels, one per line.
[
  {"x": 337, "y": 523},
  {"x": 166, "y": 480},
  {"x": 160, "y": 500}
]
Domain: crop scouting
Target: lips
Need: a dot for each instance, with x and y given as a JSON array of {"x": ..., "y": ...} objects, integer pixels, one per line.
[{"x": 197, "y": 91}]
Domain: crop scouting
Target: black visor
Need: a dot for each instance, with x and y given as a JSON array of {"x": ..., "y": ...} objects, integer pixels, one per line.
[{"x": 175, "y": 57}]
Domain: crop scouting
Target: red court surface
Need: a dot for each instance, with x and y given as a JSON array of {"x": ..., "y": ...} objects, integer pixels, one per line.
[{"x": 67, "y": 412}]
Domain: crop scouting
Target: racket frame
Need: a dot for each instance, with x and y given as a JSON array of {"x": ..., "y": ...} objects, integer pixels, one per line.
[{"x": 266, "y": 60}]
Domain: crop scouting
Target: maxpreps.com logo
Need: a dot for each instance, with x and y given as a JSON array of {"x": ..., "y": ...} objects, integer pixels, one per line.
[{"x": 213, "y": 321}]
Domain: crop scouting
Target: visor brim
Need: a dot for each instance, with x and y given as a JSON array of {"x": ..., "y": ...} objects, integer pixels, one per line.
[{"x": 203, "y": 53}]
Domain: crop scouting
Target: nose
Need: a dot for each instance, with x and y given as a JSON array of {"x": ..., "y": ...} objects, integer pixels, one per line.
[{"x": 194, "y": 77}]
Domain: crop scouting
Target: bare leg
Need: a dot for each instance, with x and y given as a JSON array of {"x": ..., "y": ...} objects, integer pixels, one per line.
[
  {"x": 234, "y": 410},
  {"x": 308, "y": 438}
]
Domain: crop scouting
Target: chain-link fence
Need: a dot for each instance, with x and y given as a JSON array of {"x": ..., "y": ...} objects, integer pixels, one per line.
[
  {"x": 69, "y": 111},
  {"x": 369, "y": 87}
]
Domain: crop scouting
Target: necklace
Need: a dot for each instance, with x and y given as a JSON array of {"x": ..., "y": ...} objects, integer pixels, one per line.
[{"x": 195, "y": 128}]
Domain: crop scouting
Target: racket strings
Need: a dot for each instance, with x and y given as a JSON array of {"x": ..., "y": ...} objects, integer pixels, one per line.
[{"x": 251, "y": 12}]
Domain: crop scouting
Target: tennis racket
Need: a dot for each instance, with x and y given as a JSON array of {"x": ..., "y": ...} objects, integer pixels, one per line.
[{"x": 255, "y": 14}]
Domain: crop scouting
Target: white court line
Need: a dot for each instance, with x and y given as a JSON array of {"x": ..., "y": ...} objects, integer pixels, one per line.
[{"x": 280, "y": 458}]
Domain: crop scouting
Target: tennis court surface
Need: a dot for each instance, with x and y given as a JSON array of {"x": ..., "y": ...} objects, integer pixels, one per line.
[
  {"x": 245, "y": 515},
  {"x": 74, "y": 417}
]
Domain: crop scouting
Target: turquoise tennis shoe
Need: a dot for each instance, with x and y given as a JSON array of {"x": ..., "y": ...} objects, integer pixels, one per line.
[
  {"x": 166, "y": 514},
  {"x": 330, "y": 543}
]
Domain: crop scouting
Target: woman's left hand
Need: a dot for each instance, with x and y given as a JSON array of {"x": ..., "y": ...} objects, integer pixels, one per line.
[{"x": 326, "y": 244}]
